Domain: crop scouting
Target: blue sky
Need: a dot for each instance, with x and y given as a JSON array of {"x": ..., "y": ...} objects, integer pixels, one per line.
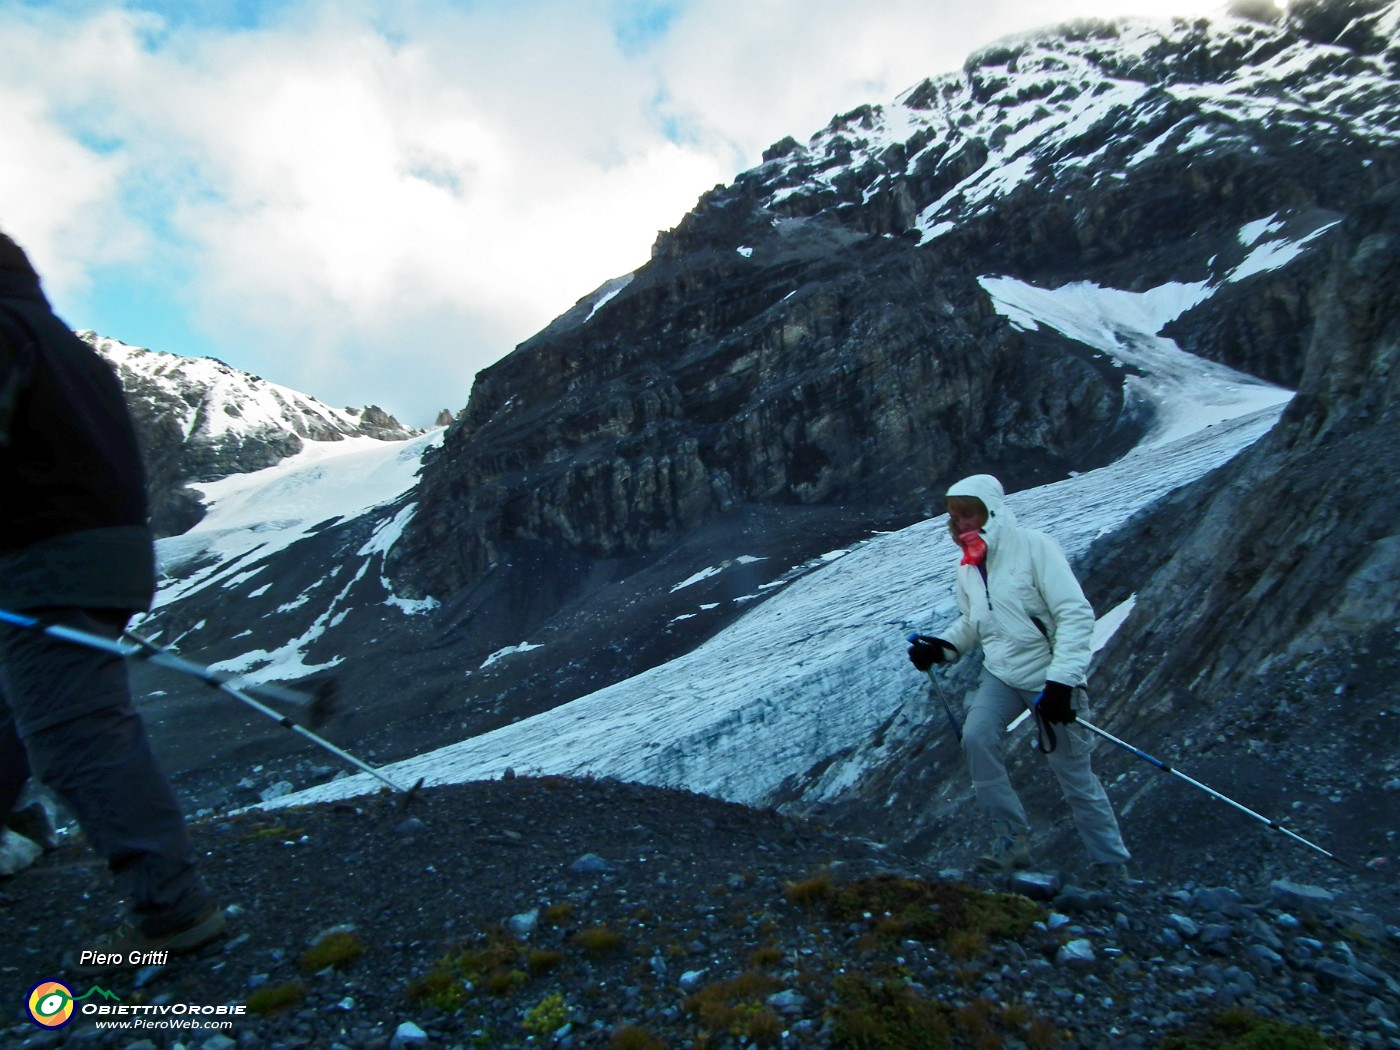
[{"x": 371, "y": 201}]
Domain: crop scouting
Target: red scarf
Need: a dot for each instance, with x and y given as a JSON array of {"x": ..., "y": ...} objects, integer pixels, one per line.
[{"x": 974, "y": 548}]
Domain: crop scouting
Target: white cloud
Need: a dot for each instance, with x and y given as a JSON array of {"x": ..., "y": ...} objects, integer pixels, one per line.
[
  {"x": 58, "y": 196},
  {"x": 371, "y": 203}
]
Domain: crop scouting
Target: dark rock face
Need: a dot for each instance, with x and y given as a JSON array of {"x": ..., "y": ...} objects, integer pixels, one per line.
[
  {"x": 823, "y": 368},
  {"x": 1296, "y": 546}
]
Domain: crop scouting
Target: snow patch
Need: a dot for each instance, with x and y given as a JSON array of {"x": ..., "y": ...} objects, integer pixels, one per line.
[
  {"x": 611, "y": 291},
  {"x": 715, "y": 570},
  {"x": 1187, "y": 392},
  {"x": 501, "y": 654}
]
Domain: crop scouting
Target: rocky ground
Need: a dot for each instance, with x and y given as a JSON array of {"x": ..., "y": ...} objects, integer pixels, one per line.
[{"x": 562, "y": 913}]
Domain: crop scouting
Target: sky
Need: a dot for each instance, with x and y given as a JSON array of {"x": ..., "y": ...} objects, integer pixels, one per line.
[{"x": 371, "y": 201}]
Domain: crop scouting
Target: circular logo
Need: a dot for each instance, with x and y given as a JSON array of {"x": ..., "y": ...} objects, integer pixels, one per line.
[{"x": 50, "y": 1004}]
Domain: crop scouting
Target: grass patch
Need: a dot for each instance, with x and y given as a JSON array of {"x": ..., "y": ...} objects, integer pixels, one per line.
[
  {"x": 335, "y": 950},
  {"x": 875, "y": 1014},
  {"x": 887, "y": 1015},
  {"x": 558, "y": 914},
  {"x": 598, "y": 941},
  {"x": 274, "y": 1000},
  {"x": 547, "y": 1016},
  {"x": 766, "y": 958},
  {"x": 631, "y": 1037},
  {"x": 738, "y": 1007},
  {"x": 541, "y": 960},
  {"x": 276, "y": 831},
  {"x": 812, "y": 892},
  {"x": 961, "y": 919},
  {"x": 495, "y": 968},
  {"x": 1241, "y": 1029}
]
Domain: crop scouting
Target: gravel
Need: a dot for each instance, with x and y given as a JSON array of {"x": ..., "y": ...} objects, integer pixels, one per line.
[{"x": 578, "y": 908}]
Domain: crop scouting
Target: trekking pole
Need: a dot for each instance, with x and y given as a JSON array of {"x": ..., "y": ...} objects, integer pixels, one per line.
[
  {"x": 937, "y": 687},
  {"x": 316, "y": 705},
  {"x": 1208, "y": 790},
  {"x": 287, "y": 723}
]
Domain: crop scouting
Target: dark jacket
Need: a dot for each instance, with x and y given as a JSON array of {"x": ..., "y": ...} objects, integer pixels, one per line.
[{"x": 73, "y": 513}]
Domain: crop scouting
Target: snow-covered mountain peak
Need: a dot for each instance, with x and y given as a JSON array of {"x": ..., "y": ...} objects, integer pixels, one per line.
[
  {"x": 212, "y": 401},
  {"x": 1093, "y": 100}
]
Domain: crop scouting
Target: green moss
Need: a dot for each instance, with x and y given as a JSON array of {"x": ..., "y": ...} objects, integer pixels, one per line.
[
  {"x": 737, "y": 1007},
  {"x": 440, "y": 988},
  {"x": 884, "y": 1013},
  {"x": 494, "y": 968},
  {"x": 1240, "y": 1029},
  {"x": 630, "y": 1037},
  {"x": 336, "y": 950},
  {"x": 547, "y": 1016},
  {"x": 275, "y": 999},
  {"x": 598, "y": 941},
  {"x": 960, "y": 918}
]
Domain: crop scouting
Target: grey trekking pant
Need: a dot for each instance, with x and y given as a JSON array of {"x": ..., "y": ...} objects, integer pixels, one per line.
[
  {"x": 66, "y": 717},
  {"x": 993, "y": 706}
]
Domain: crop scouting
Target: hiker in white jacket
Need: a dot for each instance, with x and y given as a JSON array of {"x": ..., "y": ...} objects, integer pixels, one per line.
[{"x": 1020, "y": 601}]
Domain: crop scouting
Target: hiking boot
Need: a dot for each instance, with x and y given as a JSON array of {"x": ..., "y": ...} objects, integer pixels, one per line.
[
  {"x": 1008, "y": 853},
  {"x": 131, "y": 948},
  {"x": 1111, "y": 873}
]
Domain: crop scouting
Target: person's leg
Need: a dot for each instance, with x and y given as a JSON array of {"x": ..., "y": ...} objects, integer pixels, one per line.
[
  {"x": 71, "y": 706},
  {"x": 994, "y": 705},
  {"x": 1088, "y": 802},
  {"x": 14, "y": 763}
]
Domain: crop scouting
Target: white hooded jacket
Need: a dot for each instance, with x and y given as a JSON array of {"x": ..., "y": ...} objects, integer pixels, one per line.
[{"x": 1029, "y": 614}]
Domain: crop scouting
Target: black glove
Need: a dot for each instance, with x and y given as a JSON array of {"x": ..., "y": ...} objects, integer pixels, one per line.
[
  {"x": 925, "y": 652},
  {"x": 1053, "y": 703}
]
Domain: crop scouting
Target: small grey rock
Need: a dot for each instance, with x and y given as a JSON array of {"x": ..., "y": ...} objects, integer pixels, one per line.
[
  {"x": 523, "y": 925},
  {"x": 408, "y": 1036},
  {"x": 591, "y": 864},
  {"x": 1038, "y": 886},
  {"x": 1076, "y": 952}
]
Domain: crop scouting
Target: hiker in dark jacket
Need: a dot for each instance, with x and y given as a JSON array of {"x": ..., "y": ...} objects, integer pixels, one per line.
[{"x": 76, "y": 550}]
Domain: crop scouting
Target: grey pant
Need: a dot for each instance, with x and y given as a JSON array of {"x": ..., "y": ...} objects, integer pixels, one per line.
[
  {"x": 993, "y": 706},
  {"x": 66, "y": 718}
]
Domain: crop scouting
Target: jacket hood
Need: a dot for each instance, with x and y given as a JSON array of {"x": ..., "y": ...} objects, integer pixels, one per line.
[
  {"x": 1000, "y": 518},
  {"x": 988, "y": 489}
]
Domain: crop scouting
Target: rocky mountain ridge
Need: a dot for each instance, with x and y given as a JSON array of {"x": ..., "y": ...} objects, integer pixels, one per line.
[{"x": 199, "y": 420}]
